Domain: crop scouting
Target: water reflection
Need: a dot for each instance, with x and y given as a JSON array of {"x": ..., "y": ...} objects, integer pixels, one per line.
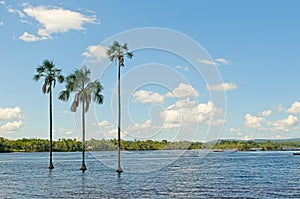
[
  {"x": 83, "y": 182},
  {"x": 49, "y": 184}
]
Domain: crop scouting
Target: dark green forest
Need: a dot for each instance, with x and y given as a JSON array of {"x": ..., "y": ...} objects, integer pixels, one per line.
[{"x": 72, "y": 145}]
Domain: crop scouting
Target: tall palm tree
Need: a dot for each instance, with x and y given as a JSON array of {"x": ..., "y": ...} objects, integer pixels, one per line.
[
  {"x": 116, "y": 53},
  {"x": 85, "y": 91},
  {"x": 50, "y": 74}
]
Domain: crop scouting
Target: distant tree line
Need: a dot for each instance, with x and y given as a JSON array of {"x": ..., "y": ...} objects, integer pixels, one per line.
[
  {"x": 72, "y": 145},
  {"x": 38, "y": 145},
  {"x": 252, "y": 145}
]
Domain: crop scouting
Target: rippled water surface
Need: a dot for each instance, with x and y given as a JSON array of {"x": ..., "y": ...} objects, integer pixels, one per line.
[{"x": 160, "y": 174}]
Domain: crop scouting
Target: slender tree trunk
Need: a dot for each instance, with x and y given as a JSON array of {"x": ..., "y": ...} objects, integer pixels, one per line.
[
  {"x": 51, "y": 147},
  {"x": 83, "y": 167},
  {"x": 119, "y": 170}
]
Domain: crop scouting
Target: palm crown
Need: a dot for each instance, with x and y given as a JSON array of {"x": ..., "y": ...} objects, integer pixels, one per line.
[
  {"x": 85, "y": 90},
  {"x": 51, "y": 74},
  {"x": 118, "y": 51}
]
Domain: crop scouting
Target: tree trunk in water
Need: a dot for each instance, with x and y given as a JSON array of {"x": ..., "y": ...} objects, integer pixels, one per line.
[
  {"x": 51, "y": 147},
  {"x": 83, "y": 167},
  {"x": 119, "y": 170}
]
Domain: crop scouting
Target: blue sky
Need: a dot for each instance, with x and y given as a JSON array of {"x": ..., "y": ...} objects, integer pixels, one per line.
[{"x": 252, "y": 46}]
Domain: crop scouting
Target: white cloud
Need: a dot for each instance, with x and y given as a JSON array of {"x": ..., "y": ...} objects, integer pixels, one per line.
[
  {"x": 53, "y": 20},
  {"x": 246, "y": 138},
  {"x": 215, "y": 62},
  {"x": 183, "y": 90},
  {"x": 217, "y": 122},
  {"x": 253, "y": 122},
  {"x": 2, "y": 2},
  {"x": 143, "y": 96},
  {"x": 295, "y": 108},
  {"x": 12, "y": 10},
  {"x": 285, "y": 124},
  {"x": 95, "y": 53},
  {"x": 31, "y": 38},
  {"x": 1, "y": 23},
  {"x": 222, "y": 87},
  {"x": 185, "y": 113},
  {"x": 11, "y": 126},
  {"x": 107, "y": 130},
  {"x": 182, "y": 68},
  {"x": 237, "y": 131},
  {"x": 265, "y": 113},
  {"x": 104, "y": 123},
  {"x": 139, "y": 127},
  {"x": 10, "y": 113},
  {"x": 68, "y": 132},
  {"x": 208, "y": 62},
  {"x": 221, "y": 61},
  {"x": 278, "y": 108},
  {"x": 64, "y": 112}
]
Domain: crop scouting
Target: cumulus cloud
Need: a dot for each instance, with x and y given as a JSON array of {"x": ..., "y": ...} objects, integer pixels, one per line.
[
  {"x": 31, "y": 38},
  {"x": 265, "y": 113},
  {"x": 238, "y": 131},
  {"x": 10, "y": 113},
  {"x": 1, "y": 23},
  {"x": 285, "y": 124},
  {"x": 53, "y": 20},
  {"x": 294, "y": 109},
  {"x": 253, "y": 122},
  {"x": 95, "y": 53},
  {"x": 185, "y": 112},
  {"x": 139, "y": 127},
  {"x": 2, "y": 2},
  {"x": 222, "y": 87},
  {"x": 143, "y": 96},
  {"x": 11, "y": 126},
  {"x": 183, "y": 90},
  {"x": 104, "y": 123},
  {"x": 108, "y": 130}
]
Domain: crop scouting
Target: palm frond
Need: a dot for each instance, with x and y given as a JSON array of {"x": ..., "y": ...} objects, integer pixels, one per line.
[
  {"x": 64, "y": 95},
  {"x": 37, "y": 77},
  {"x": 40, "y": 69},
  {"x": 87, "y": 106},
  {"x": 49, "y": 65},
  {"x": 61, "y": 78},
  {"x": 74, "y": 106},
  {"x": 98, "y": 98},
  {"x": 129, "y": 55},
  {"x": 44, "y": 88},
  {"x": 125, "y": 47},
  {"x": 54, "y": 82}
]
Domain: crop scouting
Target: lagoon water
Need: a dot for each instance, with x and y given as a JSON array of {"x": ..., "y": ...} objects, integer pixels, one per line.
[{"x": 160, "y": 174}]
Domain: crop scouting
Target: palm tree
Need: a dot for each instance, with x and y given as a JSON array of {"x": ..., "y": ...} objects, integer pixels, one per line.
[
  {"x": 85, "y": 91},
  {"x": 117, "y": 52},
  {"x": 50, "y": 74}
]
